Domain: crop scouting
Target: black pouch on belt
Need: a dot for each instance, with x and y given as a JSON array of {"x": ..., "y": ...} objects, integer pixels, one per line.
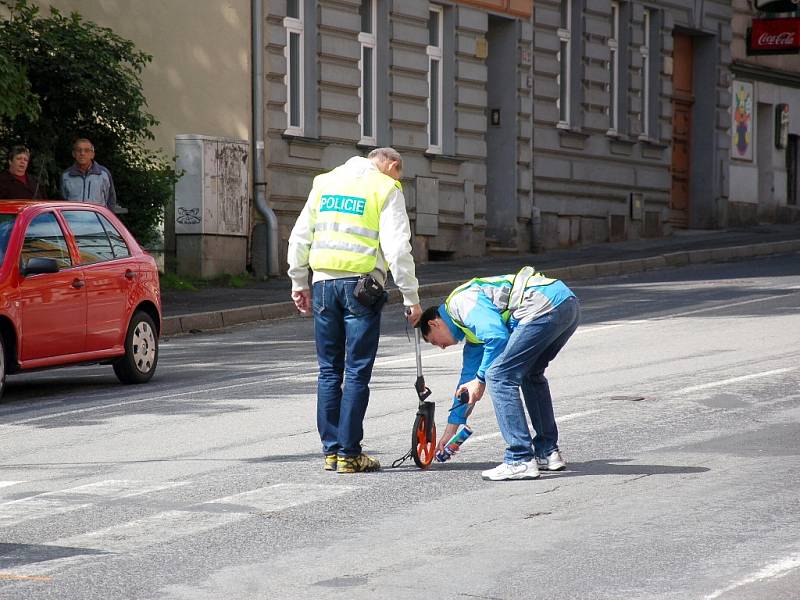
[{"x": 368, "y": 290}]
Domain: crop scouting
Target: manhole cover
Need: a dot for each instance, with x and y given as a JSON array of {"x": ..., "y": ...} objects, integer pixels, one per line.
[{"x": 628, "y": 398}]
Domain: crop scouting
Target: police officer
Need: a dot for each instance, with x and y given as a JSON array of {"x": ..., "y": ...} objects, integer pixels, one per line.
[
  {"x": 353, "y": 226},
  {"x": 514, "y": 325}
]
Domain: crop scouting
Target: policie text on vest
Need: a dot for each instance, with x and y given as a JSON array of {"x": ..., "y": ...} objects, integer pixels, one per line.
[{"x": 343, "y": 204}]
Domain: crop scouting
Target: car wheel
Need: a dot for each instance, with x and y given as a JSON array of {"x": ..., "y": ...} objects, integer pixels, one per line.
[{"x": 141, "y": 351}]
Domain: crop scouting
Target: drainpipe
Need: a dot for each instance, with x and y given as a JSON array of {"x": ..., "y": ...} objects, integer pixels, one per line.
[
  {"x": 259, "y": 179},
  {"x": 536, "y": 215}
]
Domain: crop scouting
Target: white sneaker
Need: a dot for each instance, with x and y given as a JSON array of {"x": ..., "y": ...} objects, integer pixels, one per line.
[
  {"x": 553, "y": 462},
  {"x": 508, "y": 471}
]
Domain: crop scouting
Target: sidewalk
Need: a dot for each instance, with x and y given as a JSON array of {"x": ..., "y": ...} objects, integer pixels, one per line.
[{"x": 212, "y": 308}]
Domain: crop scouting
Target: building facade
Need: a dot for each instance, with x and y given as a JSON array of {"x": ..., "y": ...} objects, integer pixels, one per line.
[
  {"x": 631, "y": 112},
  {"x": 346, "y": 76},
  {"x": 523, "y": 125},
  {"x": 765, "y": 127}
]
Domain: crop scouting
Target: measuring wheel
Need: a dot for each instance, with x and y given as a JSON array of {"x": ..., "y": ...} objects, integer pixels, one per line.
[{"x": 423, "y": 438}]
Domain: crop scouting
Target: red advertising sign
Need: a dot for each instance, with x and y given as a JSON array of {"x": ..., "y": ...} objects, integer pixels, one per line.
[{"x": 774, "y": 36}]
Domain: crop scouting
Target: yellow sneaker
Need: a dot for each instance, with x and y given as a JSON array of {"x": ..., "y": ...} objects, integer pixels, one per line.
[
  {"x": 330, "y": 462},
  {"x": 357, "y": 464}
]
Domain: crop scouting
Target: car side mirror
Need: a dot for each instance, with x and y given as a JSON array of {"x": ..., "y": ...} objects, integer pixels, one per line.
[{"x": 38, "y": 265}]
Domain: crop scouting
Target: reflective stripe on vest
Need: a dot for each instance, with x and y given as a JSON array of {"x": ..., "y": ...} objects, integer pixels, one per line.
[
  {"x": 507, "y": 300},
  {"x": 347, "y": 220}
]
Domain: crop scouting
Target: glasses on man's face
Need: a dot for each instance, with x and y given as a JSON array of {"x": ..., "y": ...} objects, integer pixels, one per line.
[{"x": 83, "y": 150}]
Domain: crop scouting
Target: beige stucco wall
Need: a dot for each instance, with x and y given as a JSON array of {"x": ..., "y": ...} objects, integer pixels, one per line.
[{"x": 199, "y": 79}]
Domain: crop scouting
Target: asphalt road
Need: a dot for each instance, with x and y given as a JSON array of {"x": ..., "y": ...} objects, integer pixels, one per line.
[{"x": 679, "y": 412}]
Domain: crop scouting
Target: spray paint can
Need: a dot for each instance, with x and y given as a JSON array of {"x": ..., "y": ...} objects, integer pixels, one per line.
[{"x": 454, "y": 444}]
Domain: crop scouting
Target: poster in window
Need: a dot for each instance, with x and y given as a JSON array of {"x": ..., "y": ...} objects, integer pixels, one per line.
[{"x": 742, "y": 109}]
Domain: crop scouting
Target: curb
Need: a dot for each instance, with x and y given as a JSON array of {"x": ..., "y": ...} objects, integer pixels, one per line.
[{"x": 216, "y": 319}]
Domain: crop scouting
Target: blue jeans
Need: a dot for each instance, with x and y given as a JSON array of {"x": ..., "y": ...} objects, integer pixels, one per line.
[
  {"x": 346, "y": 333},
  {"x": 530, "y": 349}
]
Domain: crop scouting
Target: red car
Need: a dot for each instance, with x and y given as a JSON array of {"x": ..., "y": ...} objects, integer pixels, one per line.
[{"x": 75, "y": 287}]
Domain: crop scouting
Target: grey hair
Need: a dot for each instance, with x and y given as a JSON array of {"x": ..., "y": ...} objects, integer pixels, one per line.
[
  {"x": 79, "y": 140},
  {"x": 384, "y": 155}
]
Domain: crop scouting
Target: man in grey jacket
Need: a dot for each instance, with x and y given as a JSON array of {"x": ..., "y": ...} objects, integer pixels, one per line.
[{"x": 87, "y": 180}]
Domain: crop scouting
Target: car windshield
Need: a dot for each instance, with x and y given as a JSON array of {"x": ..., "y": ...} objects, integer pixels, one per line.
[{"x": 6, "y": 226}]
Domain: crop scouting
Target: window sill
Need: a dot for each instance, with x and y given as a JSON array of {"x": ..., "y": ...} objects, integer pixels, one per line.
[
  {"x": 443, "y": 157},
  {"x": 652, "y": 142},
  {"x": 366, "y": 144},
  {"x": 300, "y": 138},
  {"x": 616, "y": 136},
  {"x": 569, "y": 130}
]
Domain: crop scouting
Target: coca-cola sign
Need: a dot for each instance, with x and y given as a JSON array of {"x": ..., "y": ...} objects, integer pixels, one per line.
[{"x": 774, "y": 36}]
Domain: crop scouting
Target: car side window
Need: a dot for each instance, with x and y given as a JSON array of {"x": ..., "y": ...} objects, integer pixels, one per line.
[
  {"x": 118, "y": 244},
  {"x": 92, "y": 240},
  {"x": 45, "y": 239}
]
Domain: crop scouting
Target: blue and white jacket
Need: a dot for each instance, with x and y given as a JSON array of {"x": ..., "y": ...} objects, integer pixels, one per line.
[
  {"x": 95, "y": 186},
  {"x": 478, "y": 311}
]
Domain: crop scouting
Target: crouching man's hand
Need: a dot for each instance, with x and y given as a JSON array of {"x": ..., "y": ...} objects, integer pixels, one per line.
[
  {"x": 449, "y": 432},
  {"x": 474, "y": 388}
]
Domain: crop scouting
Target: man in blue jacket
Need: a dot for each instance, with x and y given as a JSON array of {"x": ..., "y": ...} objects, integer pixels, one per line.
[
  {"x": 87, "y": 180},
  {"x": 513, "y": 326}
]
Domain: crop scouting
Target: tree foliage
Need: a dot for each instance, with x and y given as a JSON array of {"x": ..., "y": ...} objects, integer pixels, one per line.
[{"x": 71, "y": 78}]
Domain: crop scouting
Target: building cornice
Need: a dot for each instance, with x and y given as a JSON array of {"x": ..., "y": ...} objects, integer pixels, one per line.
[{"x": 768, "y": 74}]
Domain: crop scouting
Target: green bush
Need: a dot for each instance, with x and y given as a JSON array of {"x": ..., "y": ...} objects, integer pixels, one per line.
[{"x": 71, "y": 78}]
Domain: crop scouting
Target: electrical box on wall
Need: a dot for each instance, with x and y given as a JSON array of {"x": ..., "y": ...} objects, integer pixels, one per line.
[{"x": 637, "y": 206}]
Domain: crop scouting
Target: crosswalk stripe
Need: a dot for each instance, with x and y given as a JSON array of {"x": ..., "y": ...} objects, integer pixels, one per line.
[
  {"x": 158, "y": 528},
  {"x": 71, "y": 499},
  {"x": 285, "y": 495},
  {"x": 167, "y": 526}
]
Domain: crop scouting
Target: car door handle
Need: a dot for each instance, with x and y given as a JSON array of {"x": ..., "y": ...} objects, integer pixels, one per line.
[
  {"x": 130, "y": 274},
  {"x": 78, "y": 283}
]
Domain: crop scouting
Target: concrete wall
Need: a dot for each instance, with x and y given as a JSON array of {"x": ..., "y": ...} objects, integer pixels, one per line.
[
  {"x": 199, "y": 80},
  {"x": 584, "y": 175}
]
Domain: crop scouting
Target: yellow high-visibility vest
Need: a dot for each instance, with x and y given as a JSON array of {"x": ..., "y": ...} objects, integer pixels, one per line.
[{"x": 348, "y": 211}]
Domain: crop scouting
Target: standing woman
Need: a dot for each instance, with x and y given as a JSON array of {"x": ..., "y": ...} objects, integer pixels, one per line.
[{"x": 15, "y": 183}]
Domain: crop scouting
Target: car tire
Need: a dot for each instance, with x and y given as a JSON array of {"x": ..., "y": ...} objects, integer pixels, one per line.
[{"x": 141, "y": 351}]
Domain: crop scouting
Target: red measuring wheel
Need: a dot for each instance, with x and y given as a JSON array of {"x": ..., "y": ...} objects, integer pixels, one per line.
[{"x": 423, "y": 440}]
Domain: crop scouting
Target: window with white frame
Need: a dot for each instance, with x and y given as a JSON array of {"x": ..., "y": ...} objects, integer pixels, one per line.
[
  {"x": 613, "y": 69},
  {"x": 645, "y": 50},
  {"x": 434, "y": 51},
  {"x": 369, "y": 71},
  {"x": 564, "y": 60},
  {"x": 293, "y": 23}
]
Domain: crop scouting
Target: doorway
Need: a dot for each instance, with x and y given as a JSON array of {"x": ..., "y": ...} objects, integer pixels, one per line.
[
  {"x": 792, "y": 158},
  {"x": 501, "y": 133},
  {"x": 682, "y": 105}
]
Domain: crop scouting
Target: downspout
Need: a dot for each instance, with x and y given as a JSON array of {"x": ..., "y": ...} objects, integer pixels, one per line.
[
  {"x": 259, "y": 179},
  {"x": 536, "y": 215}
]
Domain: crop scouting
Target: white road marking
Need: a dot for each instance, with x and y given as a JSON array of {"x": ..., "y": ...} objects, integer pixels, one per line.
[
  {"x": 9, "y": 483},
  {"x": 167, "y": 526},
  {"x": 771, "y": 571},
  {"x": 284, "y": 495},
  {"x": 71, "y": 499},
  {"x": 723, "y": 306},
  {"x": 722, "y": 382},
  {"x": 156, "y": 529},
  {"x": 563, "y": 419}
]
